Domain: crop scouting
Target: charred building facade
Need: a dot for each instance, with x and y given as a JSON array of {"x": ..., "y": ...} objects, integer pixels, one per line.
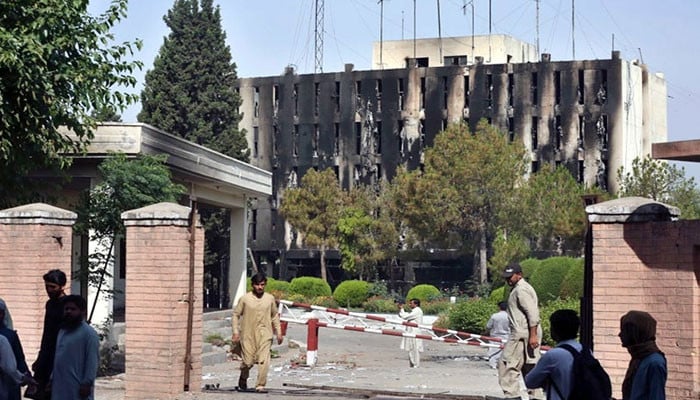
[{"x": 591, "y": 116}]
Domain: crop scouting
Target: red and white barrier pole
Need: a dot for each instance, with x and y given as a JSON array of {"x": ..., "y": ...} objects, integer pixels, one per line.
[{"x": 312, "y": 342}]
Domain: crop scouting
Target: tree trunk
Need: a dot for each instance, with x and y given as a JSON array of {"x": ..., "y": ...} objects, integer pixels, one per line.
[
  {"x": 324, "y": 274},
  {"x": 483, "y": 267}
]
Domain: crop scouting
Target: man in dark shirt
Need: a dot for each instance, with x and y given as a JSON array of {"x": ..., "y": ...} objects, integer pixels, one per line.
[{"x": 54, "y": 282}]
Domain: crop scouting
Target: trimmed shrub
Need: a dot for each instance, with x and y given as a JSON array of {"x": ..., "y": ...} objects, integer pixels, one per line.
[
  {"x": 572, "y": 286},
  {"x": 498, "y": 295},
  {"x": 423, "y": 292},
  {"x": 297, "y": 298},
  {"x": 324, "y": 301},
  {"x": 547, "y": 279},
  {"x": 471, "y": 315},
  {"x": 310, "y": 287},
  {"x": 378, "y": 288},
  {"x": 275, "y": 285},
  {"x": 529, "y": 266},
  {"x": 380, "y": 305},
  {"x": 442, "y": 321},
  {"x": 435, "y": 307},
  {"x": 549, "y": 308},
  {"x": 351, "y": 293}
]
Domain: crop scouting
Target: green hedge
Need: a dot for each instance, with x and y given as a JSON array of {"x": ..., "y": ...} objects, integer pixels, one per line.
[
  {"x": 499, "y": 294},
  {"x": 549, "y": 308},
  {"x": 377, "y": 304},
  {"x": 547, "y": 278},
  {"x": 423, "y": 292},
  {"x": 529, "y": 266},
  {"x": 351, "y": 293},
  {"x": 310, "y": 287},
  {"x": 471, "y": 315},
  {"x": 435, "y": 307},
  {"x": 572, "y": 286}
]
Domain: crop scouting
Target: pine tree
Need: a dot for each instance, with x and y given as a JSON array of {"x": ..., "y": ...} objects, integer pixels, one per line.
[{"x": 189, "y": 92}]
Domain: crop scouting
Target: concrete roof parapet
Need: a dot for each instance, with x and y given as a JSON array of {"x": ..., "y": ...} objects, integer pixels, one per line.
[
  {"x": 631, "y": 209},
  {"x": 37, "y": 213},
  {"x": 158, "y": 214}
]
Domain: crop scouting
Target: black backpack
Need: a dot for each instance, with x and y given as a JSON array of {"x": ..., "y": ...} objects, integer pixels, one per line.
[{"x": 589, "y": 381}]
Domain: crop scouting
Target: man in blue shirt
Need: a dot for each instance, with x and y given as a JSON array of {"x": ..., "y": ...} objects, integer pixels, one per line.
[{"x": 553, "y": 371}]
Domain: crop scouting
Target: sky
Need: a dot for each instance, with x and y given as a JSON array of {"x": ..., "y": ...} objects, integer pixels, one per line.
[{"x": 265, "y": 36}]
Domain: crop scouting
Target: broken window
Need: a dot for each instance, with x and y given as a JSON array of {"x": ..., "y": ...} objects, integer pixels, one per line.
[
  {"x": 295, "y": 96},
  {"x": 295, "y": 141},
  {"x": 557, "y": 87},
  {"x": 358, "y": 90},
  {"x": 378, "y": 91},
  {"x": 535, "y": 167},
  {"x": 358, "y": 137},
  {"x": 533, "y": 88},
  {"x": 580, "y": 88},
  {"x": 275, "y": 138},
  {"x": 511, "y": 129},
  {"x": 317, "y": 95},
  {"x": 253, "y": 224},
  {"x": 511, "y": 86},
  {"x": 357, "y": 172},
  {"x": 445, "y": 92},
  {"x": 602, "y": 94},
  {"x": 336, "y": 170},
  {"x": 336, "y": 96},
  {"x": 378, "y": 170},
  {"x": 314, "y": 140},
  {"x": 420, "y": 62},
  {"x": 422, "y": 93},
  {"x": 378, "y": 138},
  {"x": 489, "y": 90},
  {"x": 580, "y": 174},
  {"x": 559, "y": 132},
  {"x": 401, "y": 93},
  {"x": 256, "y": 102},
  {"x": 533, "y": 133},
  {"x": 255, "y": 141},
  {"x": 466, "y": 91},
  {"x": 601, "y": 127},
  {"x": 292, "y": 179},
  {"x": 581, "y": 131},
  {"x": 454, "y": 60},
  {"x": 336, "y": 143},
  {"x": 275, "y": 100}
]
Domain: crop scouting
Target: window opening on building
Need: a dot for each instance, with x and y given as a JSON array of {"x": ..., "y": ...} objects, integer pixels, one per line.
[
  {"x": 601, "y": 127},
  {"x": 293, "y": 178},
  {"x": 533, "y": 131},
  {"x": 256, "y": 135},
  {"x": 378, "y": 169},
  {"x": 489, "y": 91},
  {"x": 443, "y": 124},
  {"x": 256, "y": 102},
  {"x": 336, "y": 96},
  {"x": 580, "y": 174},
  {"x": 317, "y": 96},
  {"x": 314, "y": 140},
  {"x": 511, "y": 129},
  {"x": 533, "y": 88},
  {"x": 275, "y": 100},
  {"x": 535, "y": 167},
  {"x": 253, "y": 224},
  {"x": 275, "y": 138},
  {"x": 454, "y": 60},
  {"x": 557, "y": 87},
  {"x": 356, "y": 175},
  {"x": 558, "y": 131},
  {"x": 445, "y": 92},
  {"x": 336, "y": 170},
  {"x": 295, "y": 141},
  {"x": 295, "y": 95},
  {"x": 511, "y": 86},
  {"x": 581, "y": 132},
  {"x": 466, "y": 91},
  {"x": 378, "y": 91},
  {"x": 377, "y": 138},
  {"x": 358, "y": 137},
  {"x": 419, "y": 62},
  {"x": 602, "y": 93},
  {"x": 580, "y": 87},
  {"x": 401, "y": 93},
  {"x": 422, "y": 93},
  {"x": 336, "y": 142},
  {"x": 358, "y": 90}
]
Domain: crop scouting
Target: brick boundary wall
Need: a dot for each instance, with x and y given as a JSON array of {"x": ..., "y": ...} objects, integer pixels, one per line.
[
  {"x": 34, "y": 239},
  {"x": 157, "y": 282},
  {"x": 646, "y": 263}
]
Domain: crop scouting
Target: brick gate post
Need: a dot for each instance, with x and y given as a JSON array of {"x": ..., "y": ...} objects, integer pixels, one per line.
[
  {"x": 34, "y": 238},
  {"x": 157, "y": 295}
]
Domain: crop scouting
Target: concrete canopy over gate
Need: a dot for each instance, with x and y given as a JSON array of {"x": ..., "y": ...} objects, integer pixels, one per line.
[{"x": 645, "y": 259}]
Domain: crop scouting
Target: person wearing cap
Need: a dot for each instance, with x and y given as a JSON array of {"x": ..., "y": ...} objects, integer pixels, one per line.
[
  {"x": 10, "y": 381},
  {"x": 522, "y": 350}
]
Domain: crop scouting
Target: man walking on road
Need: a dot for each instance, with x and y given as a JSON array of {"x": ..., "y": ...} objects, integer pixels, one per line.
[
  {"x": 522, "y": 351},
  {"x": 412, "y": 345},
  {"x": 254, "y": 319}
]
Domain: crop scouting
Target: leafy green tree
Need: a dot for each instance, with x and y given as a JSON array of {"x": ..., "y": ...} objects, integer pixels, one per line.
[
  {"x": 314, "y": 209},
  {"x": 189, "y": 92},
  {"x": 663, "y": 182},
  {"x": 367, "y": 235},
  {"x": 465, "y": 191},
  {"x": 553, "y": 216},
  {"x": 127, "y": 184},
  {"x": 57, "y": 64}
]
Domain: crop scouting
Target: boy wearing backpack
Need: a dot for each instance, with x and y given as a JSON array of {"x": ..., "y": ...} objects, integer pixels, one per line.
[{"x": 569, "y": 371}]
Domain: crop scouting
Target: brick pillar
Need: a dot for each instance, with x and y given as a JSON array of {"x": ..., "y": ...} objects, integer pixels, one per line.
[
  {"x": 34, "y": 238},
  {"x": 157, "y": 291},
  {"x": 644, "y": 259}
]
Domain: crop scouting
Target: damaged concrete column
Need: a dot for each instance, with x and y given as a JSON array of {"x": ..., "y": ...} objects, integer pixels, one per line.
[
  {"x": 158, "y": 262},
  {"x": 645, "y": 259},
  {"x": 34, "y": 239}
]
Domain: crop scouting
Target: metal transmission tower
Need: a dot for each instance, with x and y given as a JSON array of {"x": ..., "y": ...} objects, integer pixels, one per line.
[{"x": 318, "y": 40}]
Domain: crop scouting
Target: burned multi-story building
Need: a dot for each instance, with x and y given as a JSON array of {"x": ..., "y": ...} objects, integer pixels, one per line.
[{"x": 591, "y": 116}]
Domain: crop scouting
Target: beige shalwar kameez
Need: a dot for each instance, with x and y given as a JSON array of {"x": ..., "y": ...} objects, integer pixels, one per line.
[{"x": 255, "y": 319}]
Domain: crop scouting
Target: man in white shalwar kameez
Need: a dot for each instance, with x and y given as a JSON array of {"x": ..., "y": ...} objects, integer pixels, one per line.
[
  {"x": 9, "y": 375},
  {"x": 412, "y": 345}
]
